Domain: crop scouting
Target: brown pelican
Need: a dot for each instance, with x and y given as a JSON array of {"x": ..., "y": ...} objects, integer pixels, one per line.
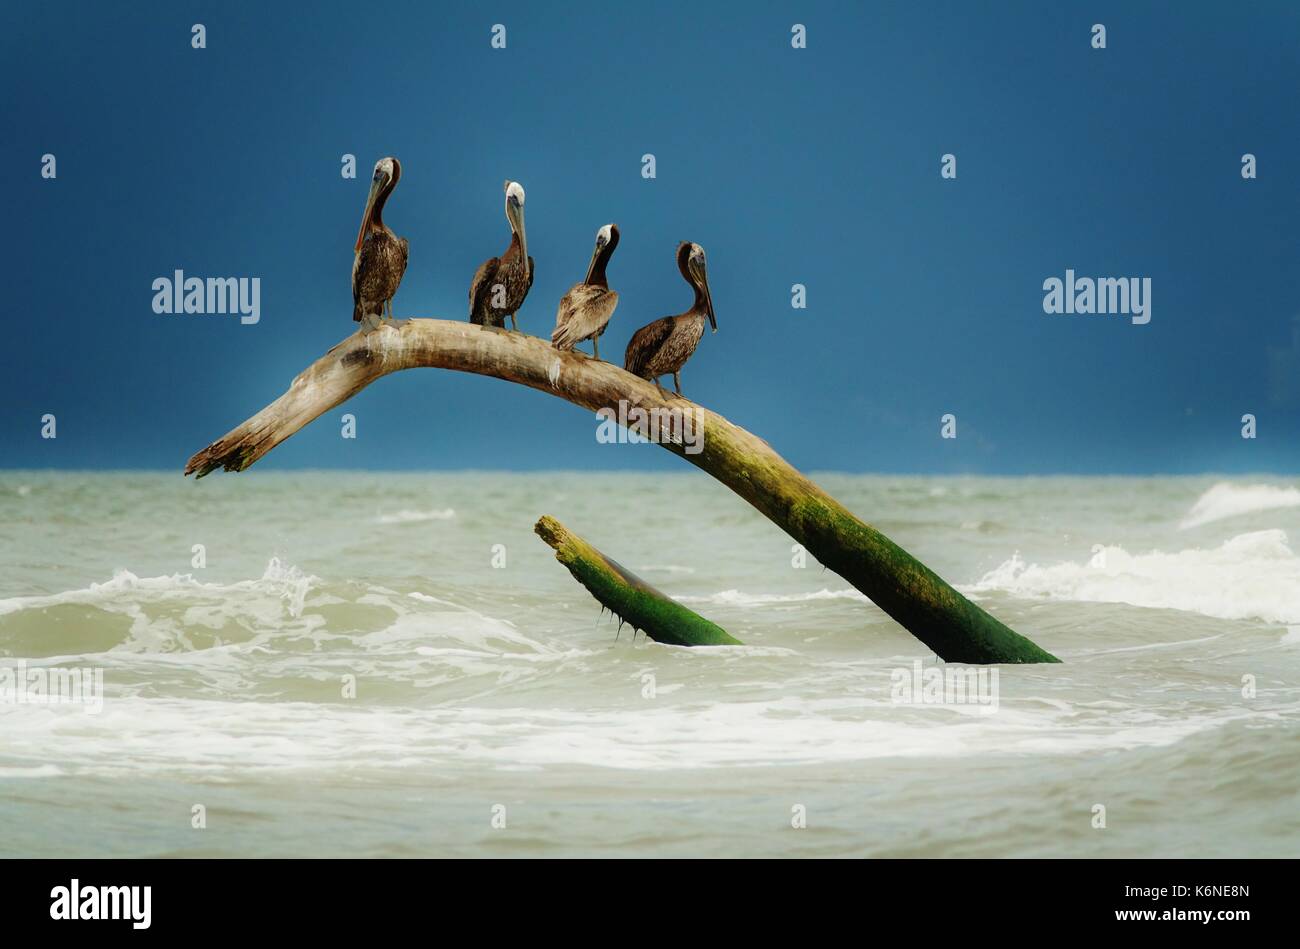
[
  {"x": 500, "y": 284},
  {"x": 586, "y": 308},
  {"x": 381, "y": 255},
  {"x": 664, "y": 346}
]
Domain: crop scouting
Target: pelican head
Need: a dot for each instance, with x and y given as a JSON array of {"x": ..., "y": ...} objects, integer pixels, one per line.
[
  {"x": 606, "y": 241},
  {"x": 515, "y": 215},
  {"x": 387, "y": 171},
  {"x": 690, "y": 261}
]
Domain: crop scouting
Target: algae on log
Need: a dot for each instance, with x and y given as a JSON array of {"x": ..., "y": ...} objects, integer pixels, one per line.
[
  {"x": 629, "y": 597},
  {"x": 952, "y": 626}
]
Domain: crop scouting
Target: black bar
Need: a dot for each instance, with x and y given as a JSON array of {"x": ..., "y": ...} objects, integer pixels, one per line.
[{"x": 941, "y": 898}]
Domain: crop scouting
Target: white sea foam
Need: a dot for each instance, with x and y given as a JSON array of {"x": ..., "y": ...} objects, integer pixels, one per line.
[
  {"x": 286, "y": 582},
  {"x": 416, "y": 517},
  {"x": 36, "y": 771},
  {"x": 135, "y": 736},
  {"x": 178, "y": 613},
  {"x": 1232, "y": 500},
  {"x": 1251, "y": 576},
  {"x": 737, "y": 598},
  {"x": 454, "y": 629}
]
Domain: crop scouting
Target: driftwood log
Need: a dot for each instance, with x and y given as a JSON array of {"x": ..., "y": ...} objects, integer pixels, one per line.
[
  {"x": 627, "y": 596},
  {"x": 949, "y": 624}
]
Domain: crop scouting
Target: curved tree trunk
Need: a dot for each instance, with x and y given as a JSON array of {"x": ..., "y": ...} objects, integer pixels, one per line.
[{"x": 952, "y": 626}]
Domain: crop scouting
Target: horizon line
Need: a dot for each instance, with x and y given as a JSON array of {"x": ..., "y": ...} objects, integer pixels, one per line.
[{"x": 283, "y": 471}]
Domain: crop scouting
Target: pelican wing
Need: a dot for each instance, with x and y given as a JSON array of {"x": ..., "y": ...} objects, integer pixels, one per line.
[
  {"x": 377, "y": 271},
  {"x": 645, "y": 342},
  {"x": 356, "y": 287},
  {"x": 582, "y": 314},
  {"x": 364, "y": 267},
  {"x": 480, "y": 287}
]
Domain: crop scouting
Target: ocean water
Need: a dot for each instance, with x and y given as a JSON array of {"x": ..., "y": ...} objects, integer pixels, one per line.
[{"x": 497, "y": 712}]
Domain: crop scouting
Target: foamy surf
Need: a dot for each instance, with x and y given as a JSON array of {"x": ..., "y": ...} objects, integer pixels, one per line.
[
  {"x": 385, "y": 666},
  {"x": 1251, "y": 576},
  {"x": 416, "y": 517},
  {"x": 214, "y": 739},
  {"x": 286, "y": 582},
  {"x": 738, "y": 598},
  {"x": 1226, "y": 500}
]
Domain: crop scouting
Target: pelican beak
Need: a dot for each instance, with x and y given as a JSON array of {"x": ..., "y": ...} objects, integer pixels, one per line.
[
  {"x": 591, "y": 267},
  {"x": 515, "y": 214},
  {"x": 376, "y": 186},
  {"x": 703, "y": 278}
]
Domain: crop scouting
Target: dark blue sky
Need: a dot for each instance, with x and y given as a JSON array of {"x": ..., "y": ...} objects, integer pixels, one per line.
[{"x": 818, "y": 166}]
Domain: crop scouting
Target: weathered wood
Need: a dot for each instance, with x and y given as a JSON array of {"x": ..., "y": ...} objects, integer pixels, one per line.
[
  {"x": 627, "y": 596},
  {"x": 952, "y": 626}
]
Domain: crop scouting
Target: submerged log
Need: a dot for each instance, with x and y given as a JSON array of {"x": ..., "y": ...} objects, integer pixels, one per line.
[
  {"x": 952, "y": 626},
  {"x": 627, "y": 596}
]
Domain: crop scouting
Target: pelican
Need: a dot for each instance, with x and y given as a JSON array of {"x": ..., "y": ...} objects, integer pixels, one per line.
[
  {"x": 501, "y": 283},
  {"x": 586, "y": 308},
  {"x": 381, "y": 255},
  {"x": 664, "y": 346}
]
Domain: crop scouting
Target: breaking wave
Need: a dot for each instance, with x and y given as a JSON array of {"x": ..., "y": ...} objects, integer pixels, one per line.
[
  {"x": 1226, "y": 500},
  {"x": 287, "y": 583},
  {"x": 1251, "y": 576}
]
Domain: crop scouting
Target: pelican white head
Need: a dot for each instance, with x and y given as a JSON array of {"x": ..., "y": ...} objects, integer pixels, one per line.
[{"x": 387, "y": 171}]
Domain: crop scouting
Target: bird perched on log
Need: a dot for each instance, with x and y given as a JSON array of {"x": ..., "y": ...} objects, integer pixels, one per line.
[
  {"x": 381, "y": 255},
  {"x": 501, "y": 283},
  {"x": 585, "y": 310},
  {"x": 663, "y": 346}
]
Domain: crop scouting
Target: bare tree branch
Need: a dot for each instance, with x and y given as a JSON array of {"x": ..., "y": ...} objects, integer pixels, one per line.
[{"x": 951, "y": 625}]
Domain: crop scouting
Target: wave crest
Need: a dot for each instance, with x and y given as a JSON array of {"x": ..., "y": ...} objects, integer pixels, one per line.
[
  {"x": 1251, "y": 576},
  {"x": 1226, "y": 500}
]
